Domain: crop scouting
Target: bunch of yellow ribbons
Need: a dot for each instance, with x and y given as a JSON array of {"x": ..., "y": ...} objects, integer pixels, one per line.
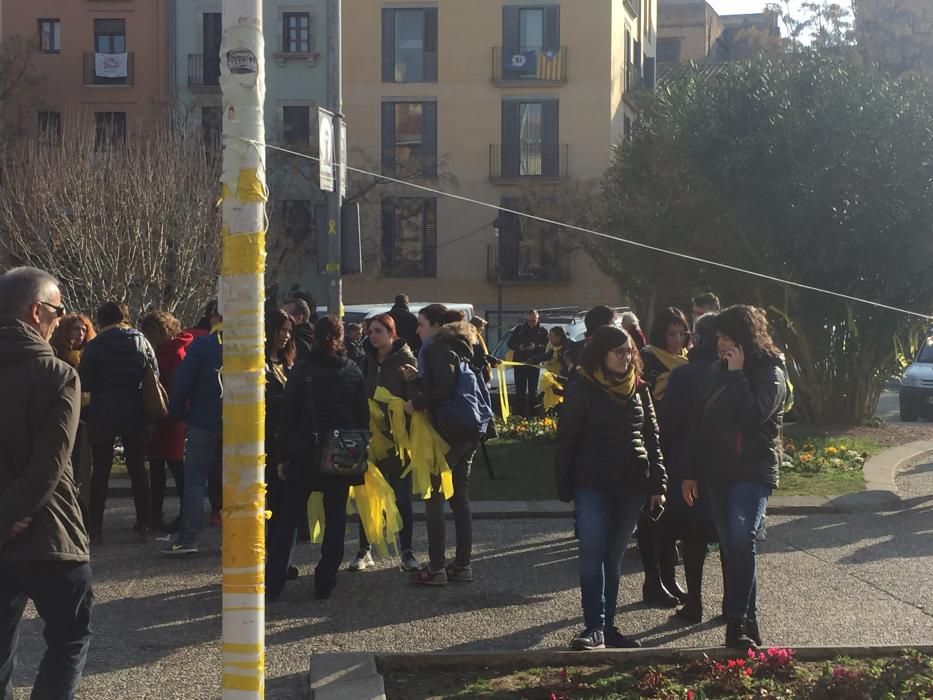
[{"x": 553, "y": 389}]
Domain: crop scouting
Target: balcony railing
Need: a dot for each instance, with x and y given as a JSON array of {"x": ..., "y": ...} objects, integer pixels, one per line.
[
  {"x": 527, "y": 264},
  {"x": 512, "y": 65},
  {"x": 536, "y": 161},
  {"x": 203, "y": 73},
  {"x": 106, "y": 74}
]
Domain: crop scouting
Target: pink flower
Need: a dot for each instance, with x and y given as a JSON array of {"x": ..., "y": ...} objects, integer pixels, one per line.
[
  {"x": 751, "y": 653},
  {"x": 690, "y": 695},
  {"x": 748, "y": 671},
  {"x": 740, "y": 662}
]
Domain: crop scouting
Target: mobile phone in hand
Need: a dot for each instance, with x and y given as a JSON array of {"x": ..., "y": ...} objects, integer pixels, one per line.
[{"x": 653, "y": 514}]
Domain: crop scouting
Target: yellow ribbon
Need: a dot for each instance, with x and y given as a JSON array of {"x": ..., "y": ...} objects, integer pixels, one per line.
[
  {"x": 552, "y": 387},
  {"x": 316, "y": 518},
  {"x": 379, "y": 516}
]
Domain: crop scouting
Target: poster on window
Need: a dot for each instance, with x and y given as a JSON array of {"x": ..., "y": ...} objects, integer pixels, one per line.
[
  {"x": 110, "y": 65},
  {"x": 325, "y": 121}
]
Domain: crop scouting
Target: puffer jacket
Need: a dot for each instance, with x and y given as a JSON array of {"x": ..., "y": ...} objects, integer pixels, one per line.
[
  {"x": 197, "y": 389},
  {"x": 38, "y": 422},
  {"x": 388, "y": 374},
  {"x": 736, "y": 433},
  {"x": 607, "y": 445},
  {"x": 451, "y": 345},
  {"x": 112, "y": 368},
  {"x": 323, "y": 393}
]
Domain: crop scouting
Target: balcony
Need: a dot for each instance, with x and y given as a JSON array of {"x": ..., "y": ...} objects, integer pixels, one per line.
[
  {"x": 512, "y": 67},
  {"x": 633, "y": 79},
  {"x": 528, "y": 265},
  {"x": 108, "y": 70},
  {"x": 203, "y": 73},
  {"x": 537, "y": 162}
]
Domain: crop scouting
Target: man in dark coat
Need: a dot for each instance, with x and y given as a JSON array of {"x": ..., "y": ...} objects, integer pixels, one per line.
[
  {"x": 406, "y": 323},
  {"x": 527, "y": 340},
  {"x": 44, "y": 554},
  {"x": 299, "y": 310}
]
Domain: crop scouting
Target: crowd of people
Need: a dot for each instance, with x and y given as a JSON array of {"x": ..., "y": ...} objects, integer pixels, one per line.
[{"x": 675, "y": 433}]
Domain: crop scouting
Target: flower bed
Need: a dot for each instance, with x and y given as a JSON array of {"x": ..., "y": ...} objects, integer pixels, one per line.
[
  {"x": 518, "y": 428},
  {"x": 812, "y": 457}
]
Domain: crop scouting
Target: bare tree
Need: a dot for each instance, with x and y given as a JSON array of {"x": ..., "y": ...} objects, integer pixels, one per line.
[
  {"x": 16, "y": 66},
  {"x": 135, "y": 221}
]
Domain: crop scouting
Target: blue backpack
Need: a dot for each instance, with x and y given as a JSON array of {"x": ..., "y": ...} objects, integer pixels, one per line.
[{"x": 465, "y": 416}]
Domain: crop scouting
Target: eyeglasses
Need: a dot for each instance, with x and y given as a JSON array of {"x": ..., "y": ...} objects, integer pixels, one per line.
[
  {"x": 59, "y": 310},
  {"x": 622, "y": 351}
]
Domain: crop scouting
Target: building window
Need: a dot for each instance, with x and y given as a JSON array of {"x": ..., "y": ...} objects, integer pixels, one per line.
[
  {"x": 668, "y": 50},
  {"x": 409, "y": 45},
  {"x": 409, "y": 138},
  {"x": 530, "y": 139},
  {"x": 531, "y": 43},
  {"x": 296, "y": 32},
  {"x": 296, "y": 125},
  {"x": 110, "y": 129},
  {"x": 110, "y": 39},
  {"x": 409, "y": 237},
  {"x": 626, "y": 127},
  {"x": 527, "y": 249},
  {"x": 50, "y": 35},
  {"x": 298, "y": 219},
  {"x": 212, "y": 126},
  {"x": 50, "y": 128}
]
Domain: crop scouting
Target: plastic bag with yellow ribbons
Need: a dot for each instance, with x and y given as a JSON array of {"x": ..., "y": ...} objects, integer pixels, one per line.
[
  {"x": 316, "y": 518},
  {"x": 553, "y": 390},
  {"x": 379, "y": 516},
  {"x": 381, "y": 444}
]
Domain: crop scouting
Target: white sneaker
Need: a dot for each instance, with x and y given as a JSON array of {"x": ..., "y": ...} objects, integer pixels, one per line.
[{"x": 362, "y": 560}]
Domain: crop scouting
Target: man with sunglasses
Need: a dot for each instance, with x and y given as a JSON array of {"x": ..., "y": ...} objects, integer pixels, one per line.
[{"x": 44, "y": 553}]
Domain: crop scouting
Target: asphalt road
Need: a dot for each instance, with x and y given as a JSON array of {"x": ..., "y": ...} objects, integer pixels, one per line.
[{"x": 825, "y": 579}]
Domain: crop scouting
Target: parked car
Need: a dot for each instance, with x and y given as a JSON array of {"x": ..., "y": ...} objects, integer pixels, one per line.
[
  {"x": 916, "y": 392},
  {"x": 357, "y": 313}
]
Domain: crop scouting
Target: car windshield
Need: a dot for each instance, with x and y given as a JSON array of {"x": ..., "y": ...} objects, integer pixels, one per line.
[{"x": 926, "y": 352}]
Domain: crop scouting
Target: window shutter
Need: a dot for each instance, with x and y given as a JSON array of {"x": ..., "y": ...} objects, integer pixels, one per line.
[
  {"x": 388, "y": 235},
  {"x": 510, "y": 41},
  {"x": 430, "y": 45},
  {"x": 429, "y": 253},
  {"x": 552, "y": 28},
  {"x": 388, "y": 46},
  {"x": 388, "y": 138},
  {"x": 550, "y": 137},
  {"x": 511, "y": 146},
  {"x": 429, "y": 138},
  {"x": 509, "y": 238}
]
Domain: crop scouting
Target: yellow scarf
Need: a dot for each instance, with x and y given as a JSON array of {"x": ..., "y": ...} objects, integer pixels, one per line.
[
  {"x": 670, "y": 362},
  {"x": 621, "y": 389}
]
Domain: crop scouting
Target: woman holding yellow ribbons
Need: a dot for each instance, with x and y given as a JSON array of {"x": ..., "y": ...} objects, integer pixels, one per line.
[
  {"x": 667, "y": 349},
  {"x": 386, "y": 354},
  {"x": 324, "y": 392},
  {"x": 447, "y": 348}
]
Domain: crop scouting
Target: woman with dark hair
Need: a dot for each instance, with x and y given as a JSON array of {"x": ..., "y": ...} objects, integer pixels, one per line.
[
  {"x": 608, "y": 464},
  {"x": 667, "y": 350},
  {"x": 324, "y": 393},
  {"x": 447, "y": 342},
  {"x": 555, "y": 358},
  {"x": 736, "y": 453},
  {"x": 382, "y": 367},
  {"x": 167, "y": 444},
  {"x": 280, "y": 358}
]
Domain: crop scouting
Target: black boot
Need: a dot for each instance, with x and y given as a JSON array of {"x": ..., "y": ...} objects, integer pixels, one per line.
[
  {"x": 694, "y": 558},
  {"x": 735, "y": 635},
  {"x": 654, "y": 594},
  {"x": 692, "y": 612},
  {"x": 751, "y": 631}
]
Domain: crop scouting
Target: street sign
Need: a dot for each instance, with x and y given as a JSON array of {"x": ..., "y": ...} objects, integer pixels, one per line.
[{"x": 326, "y": 146}]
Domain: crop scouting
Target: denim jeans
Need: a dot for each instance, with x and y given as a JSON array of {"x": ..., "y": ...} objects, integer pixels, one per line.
[
  {"x": 460, "y": 459},
  {"x": 284, "y": 528},
  {"x": 134, "y": 452},
  {"x": 737, "y": 509},
  {"x": 402, "y": 488},
  {"x": 605, "y": 522},
  {"x": 61, "y": 592},
  {"x": 203, "y": 453}
]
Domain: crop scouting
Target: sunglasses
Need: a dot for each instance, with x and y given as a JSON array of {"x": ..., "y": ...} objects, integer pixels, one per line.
[{"x": 59, "y": 310}]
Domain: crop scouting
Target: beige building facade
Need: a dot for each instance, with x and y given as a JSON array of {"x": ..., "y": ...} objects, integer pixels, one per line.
[
  {"x": 691, "y": 30},
  {"x": 510, "y": 103}
]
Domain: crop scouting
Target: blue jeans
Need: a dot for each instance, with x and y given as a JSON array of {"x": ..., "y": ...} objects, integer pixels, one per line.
[
  {"x": 62, "y": 595},
  {"x": 605, "y": 522},
  {"x": 402, "y": 488},
  {"x": 737, "y": 509},
  {"x": 203, "y": 454}
]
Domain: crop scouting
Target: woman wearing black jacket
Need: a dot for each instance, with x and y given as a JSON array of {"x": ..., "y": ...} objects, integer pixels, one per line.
[
  {"x": 608, "y": 463},
  {"x": 323, "y": 393},
  {"x": 736, "y": 447}
]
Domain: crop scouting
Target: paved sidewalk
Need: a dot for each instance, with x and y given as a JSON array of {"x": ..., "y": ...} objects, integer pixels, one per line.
[{"x": 826, "y": 578}]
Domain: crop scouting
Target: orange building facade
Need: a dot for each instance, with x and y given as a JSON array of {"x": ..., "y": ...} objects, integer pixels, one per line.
[{"x": 102, "y": 60}]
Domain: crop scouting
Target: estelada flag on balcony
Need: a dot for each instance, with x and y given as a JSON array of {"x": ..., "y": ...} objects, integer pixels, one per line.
[
  {"x": 110, "y": 65},
  {"x": 549, "y": 65}
]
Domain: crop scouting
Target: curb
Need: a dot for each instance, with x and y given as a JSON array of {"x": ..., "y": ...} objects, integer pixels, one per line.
[
  {"x": 880, "y": 493},
  {"x": 349, "y": 676},
  {"x": 449, "y": 661}
]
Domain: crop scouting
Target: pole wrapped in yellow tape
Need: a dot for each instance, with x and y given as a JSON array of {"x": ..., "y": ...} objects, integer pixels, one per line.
[{"x": 241, "y": 297}]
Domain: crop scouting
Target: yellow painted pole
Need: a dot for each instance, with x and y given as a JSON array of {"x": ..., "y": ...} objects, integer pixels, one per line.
[{"x": 242, "y": 79}]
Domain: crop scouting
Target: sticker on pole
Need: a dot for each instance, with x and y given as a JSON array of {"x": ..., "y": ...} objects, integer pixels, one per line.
[{"x": 243, "y": 66}]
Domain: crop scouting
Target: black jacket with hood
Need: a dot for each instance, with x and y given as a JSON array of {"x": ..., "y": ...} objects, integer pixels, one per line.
[
  {"x": 607, "y": 445},
  {"x": 736, "y": 433},
  {"x": 388, "y": 374},
  {"x": 38, "y": 422}
]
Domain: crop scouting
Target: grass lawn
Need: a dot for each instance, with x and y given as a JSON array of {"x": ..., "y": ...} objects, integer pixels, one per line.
[{"x": 909, "y": 675}]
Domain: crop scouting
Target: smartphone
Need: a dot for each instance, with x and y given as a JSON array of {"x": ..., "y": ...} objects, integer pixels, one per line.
[{"x": 655, "y": 514}]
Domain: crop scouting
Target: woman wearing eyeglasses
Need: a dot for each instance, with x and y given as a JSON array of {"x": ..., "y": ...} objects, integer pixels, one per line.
[
  {"x": 667, "y": 350},
  {"x": 608, "y": 464}
]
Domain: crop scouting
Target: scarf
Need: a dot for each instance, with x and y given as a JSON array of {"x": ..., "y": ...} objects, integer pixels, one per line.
[
  {"x": 620, "y": 390},
  {"x": 670, "y": 362}
]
